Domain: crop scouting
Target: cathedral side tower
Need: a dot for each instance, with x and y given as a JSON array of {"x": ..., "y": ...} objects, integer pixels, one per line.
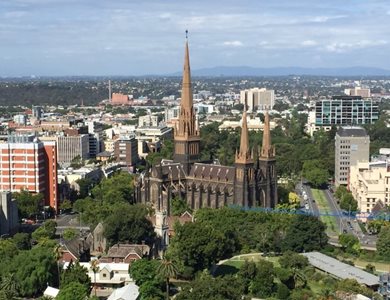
[
  {"x": 267, "y": 163},
  {"x": 186, "y": 131},
  {"x": 244, "y": 167}
]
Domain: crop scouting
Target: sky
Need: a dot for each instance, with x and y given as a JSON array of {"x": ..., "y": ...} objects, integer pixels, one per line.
[{"x": 128, "y": 37}]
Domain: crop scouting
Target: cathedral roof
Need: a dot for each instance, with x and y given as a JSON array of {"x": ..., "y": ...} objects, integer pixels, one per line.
[{"x": 212, "y": 172}]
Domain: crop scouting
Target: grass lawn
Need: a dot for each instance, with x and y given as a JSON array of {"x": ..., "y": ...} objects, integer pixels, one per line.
[
  {"x": 234, "y": 264},
  {"x": 323, "y": 206},
  {"x": 379, "y": 266}
]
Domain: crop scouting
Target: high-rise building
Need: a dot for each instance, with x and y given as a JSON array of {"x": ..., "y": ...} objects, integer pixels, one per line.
[
  {"x": 29, "y": 164},
  {"x": 126, "y": 151},
  {"x": 251, "y": 182},
  {"x": 352, "y": 144},
  {"x": 342, "y": 111},
  {"x": 257, "y": 98},
  {"x": 69, "y": 147}
]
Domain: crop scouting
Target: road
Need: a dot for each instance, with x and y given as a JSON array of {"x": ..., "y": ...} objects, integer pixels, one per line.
[
  {"x": 347, "y": 224},
  {"x": 344, "y": 223},
  {"x": 69, "y": 221}
]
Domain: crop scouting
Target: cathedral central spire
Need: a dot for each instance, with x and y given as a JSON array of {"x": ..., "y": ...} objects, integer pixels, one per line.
[{"x": 186, "y": 131}]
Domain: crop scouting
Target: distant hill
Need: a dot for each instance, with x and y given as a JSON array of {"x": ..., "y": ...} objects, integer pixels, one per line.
[{"x": 284, "y": 71}]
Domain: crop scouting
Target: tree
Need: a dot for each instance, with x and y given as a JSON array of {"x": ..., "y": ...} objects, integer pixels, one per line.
[
  {"x": 8, "y": 249},
  {"x": 167, "y": 269},
  {"x": 351, "y": 285},
  {"x": 32, "y": 270},
  {"x": 66, "y": 205},
  {"x": 247, "y": 274},
  {"x": 8, "y": 286},
  {"x": 69, "y": 234},
  {"x": 282, "y": 291},
  {"x": 207, "y": 287},
  {"x": 179, "y": 206},
  {"x": 348, "y": 203},
  {"x": 28, "y": 203},
  {"x": 129, "y": 223},
  {"x": 292, "y": 260},
  {"x": 22, "y": 241},
  {"x": 143, "y": 270},
  {"x": 47, "y": 230},
  {"x": 315, "y": 172},
  {"x": 77, "y": 162},
  {"x": 151, "y": 290},
  {"x": 75, "y": 273},
  {"x": 74, "y": 291},
  {"x": 350, "y": 243},
  {"x": 197, "y": 246},
  {"x": 305, "y": 233},
  {"x": 57, "y": 252},
  {"x": 383, "y": 243},
  {"x": 263, "y": 284},
  {"x": 340, "y": 191}
]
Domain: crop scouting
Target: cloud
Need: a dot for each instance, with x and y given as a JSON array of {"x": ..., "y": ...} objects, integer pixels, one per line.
[
  {"x": 233, "y": 43},
  {"x": 309, "y": 43},
  {"x": 342, "y": 47},
  {"x": 323, "y": 19}
]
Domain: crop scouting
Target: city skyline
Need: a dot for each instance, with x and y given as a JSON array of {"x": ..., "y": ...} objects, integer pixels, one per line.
[{"x": 58, "y": 37}]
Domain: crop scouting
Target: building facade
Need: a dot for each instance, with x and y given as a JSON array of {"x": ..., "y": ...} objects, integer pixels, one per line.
[
  {"x": 256, "y": 98},
  {"x": 342, "y": 111},
  {"x": 126, "y": 151},
  {"x": 369, "y": 184},
  {"x": 29, "y": 164},
  {"x": 250, "y": 182},
  {"x": 9, "y": 220},
  {"x": 352, "y": 144}
]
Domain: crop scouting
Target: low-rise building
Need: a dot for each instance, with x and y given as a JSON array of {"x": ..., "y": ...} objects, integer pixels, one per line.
[{"x": 125, "y": 253}]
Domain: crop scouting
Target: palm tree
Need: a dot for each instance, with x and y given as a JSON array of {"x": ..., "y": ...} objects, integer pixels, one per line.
[
  {"x": 57, "y": 255},
  {"x": 167, "y": 269},
  {"x": 95, "y": 268},
  {"x": 299, "y": 278},
  {"x": 8, "y": 286}
]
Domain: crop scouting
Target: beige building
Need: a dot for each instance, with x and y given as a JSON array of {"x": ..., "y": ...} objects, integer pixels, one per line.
[
  {"x": 352, "y": 144},
  {"x": 358, "y": 91},
  {"x": 258, "y": 99},
  {"x": 370, "y": 183}
]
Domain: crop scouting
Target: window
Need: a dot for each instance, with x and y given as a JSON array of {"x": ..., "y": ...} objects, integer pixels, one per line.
[{"x": 104, "y": 275}]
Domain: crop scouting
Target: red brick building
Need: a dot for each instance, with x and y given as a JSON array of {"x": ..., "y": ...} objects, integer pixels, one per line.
[
  {"x": 119, "y": 99},
  {"x": 29, "y": 164}
]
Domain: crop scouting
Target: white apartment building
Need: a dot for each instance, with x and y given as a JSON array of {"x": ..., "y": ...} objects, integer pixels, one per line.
[{"x": 258, "y": 99}]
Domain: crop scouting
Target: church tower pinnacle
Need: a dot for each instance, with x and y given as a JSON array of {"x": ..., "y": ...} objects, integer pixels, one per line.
[
  {"x": 186, "y": 133},
  {"x": 244, "y": 154},
  {"x": 267, "y": 149},
  {"x": 267, "y": 164}
]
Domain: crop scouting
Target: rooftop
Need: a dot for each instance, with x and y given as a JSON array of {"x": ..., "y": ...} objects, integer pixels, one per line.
[
  {"x": 352, "y": 131},
  {"x": 340, "y": 269}
]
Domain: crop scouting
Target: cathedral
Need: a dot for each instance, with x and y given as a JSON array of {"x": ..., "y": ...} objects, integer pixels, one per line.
[{"x": 251, "y": 182}]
